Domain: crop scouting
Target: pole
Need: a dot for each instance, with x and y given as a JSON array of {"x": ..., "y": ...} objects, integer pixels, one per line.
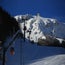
[
  {"x": 4, "y": 53},
  {"x": 13, "y": 38},
  {"x": 24, "y": 30}
]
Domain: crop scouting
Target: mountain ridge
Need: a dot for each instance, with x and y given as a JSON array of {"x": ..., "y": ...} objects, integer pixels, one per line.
[{"x": 40, "y": 27}]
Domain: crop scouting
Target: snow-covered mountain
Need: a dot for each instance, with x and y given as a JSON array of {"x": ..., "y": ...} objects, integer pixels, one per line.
[{"x": 40, "y": 27}]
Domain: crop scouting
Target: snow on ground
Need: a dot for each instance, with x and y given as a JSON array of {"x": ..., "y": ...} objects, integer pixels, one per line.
[
  {"x": 52, "y": 60},
  {"x": 60, "y": 40},
  {"x": 42, "y": 55},
  {"x": 27, "y": 53}
]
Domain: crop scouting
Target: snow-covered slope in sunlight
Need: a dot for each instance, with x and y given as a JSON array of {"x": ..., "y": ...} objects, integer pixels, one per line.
[
  {"x": 40, "y": 27},
  {"x": 52, "y": 60}
]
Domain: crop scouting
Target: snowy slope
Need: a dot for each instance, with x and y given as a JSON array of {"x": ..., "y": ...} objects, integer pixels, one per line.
[
  {"x": 41, "y": 55},
  {"x": 40, "y": 27},
  {"x": 53, "y": 60}
]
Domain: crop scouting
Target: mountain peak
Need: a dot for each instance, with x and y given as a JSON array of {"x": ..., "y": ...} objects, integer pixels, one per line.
[{"x": 40, "y": 27}]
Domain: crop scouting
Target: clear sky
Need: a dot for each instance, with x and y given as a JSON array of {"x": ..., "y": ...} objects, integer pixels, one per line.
[{"x": 46, "y": 8}]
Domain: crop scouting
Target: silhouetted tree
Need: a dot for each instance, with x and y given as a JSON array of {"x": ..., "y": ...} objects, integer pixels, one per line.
[
  {"x": 7, "y": 23},
  {"x": 63, "y": 43}
]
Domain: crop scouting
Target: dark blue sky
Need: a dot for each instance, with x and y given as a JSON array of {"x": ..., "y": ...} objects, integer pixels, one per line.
[{"x": 46, "y": 8}]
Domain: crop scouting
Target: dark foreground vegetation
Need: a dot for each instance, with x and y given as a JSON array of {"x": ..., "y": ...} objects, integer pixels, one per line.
[
  {"x": 49, "y": 41},
  {"x": 7, "y": 24}
]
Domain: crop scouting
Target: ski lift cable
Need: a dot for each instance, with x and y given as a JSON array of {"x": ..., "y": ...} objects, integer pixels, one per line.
[{"x": 13, "y": 38}]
